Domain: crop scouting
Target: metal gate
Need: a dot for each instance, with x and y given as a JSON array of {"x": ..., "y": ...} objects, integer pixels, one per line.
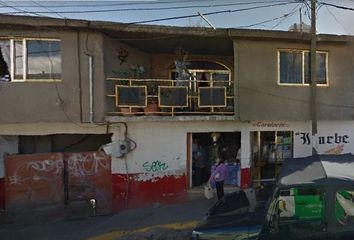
[{"x": 35, "y": 181}]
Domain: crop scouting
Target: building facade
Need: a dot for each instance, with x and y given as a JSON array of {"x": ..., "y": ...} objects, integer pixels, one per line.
[{"x": 164, "y": 102}]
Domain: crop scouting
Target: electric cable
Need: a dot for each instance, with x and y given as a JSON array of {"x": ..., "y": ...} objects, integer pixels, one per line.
[
  {"x": 48, "y": 9},
  {"x": 335, "y": 18},
  {"x": 148, "y": 9},
  {"x": 149, "y": 3},
  {"x": 336, "y": 6},
  {"x": 210, "y": 13}
]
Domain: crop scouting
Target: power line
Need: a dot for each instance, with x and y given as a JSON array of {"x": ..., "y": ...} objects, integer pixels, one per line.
[
  {"x": 105, "y": 4},
  {"x": 48, "y": 9},
  {"x": 20, "y": 10},
  {"x": 291, "y": 13},
  {"x": 337, "y": 6},
  {"x": 144, "y": 3},
  {"x": 295, "y": 99},
  {"x": 335, "y": 18},
  {"x": 211, "y": 13},
  {"x": 155, "y": 8}
]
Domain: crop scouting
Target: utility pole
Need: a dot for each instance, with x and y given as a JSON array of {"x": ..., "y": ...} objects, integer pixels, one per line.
[{"x": 313, "y": 81}]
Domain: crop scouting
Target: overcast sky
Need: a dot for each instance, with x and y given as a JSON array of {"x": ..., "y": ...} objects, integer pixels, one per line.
[{"x": 255, "y": 14}]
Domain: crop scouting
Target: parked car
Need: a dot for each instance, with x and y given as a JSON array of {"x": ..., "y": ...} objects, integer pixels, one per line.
[{"x": 312, "y": 199}]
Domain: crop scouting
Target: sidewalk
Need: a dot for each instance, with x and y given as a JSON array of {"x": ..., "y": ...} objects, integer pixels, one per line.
[{"x": 170, "y": 222}]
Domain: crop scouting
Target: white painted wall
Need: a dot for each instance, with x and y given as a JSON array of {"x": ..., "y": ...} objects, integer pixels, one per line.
[
  {"x": 165, "y": 143},
  {"x": 338, "y": 138},
  {"x": 8, "y": 145}
]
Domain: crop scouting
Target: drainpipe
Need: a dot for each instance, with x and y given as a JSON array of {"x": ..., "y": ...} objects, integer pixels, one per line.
[{"x": 90, "y": 58}]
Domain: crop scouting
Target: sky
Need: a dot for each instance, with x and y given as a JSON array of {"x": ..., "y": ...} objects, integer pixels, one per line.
[{"x": 250, "y": 14}]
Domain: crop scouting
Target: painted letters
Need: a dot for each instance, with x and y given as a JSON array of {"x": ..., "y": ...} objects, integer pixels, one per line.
[{"x": 155, "y": 166}]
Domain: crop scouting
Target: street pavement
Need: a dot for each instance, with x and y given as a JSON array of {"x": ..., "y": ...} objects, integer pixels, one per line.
[{"x": 170, "y": 222}]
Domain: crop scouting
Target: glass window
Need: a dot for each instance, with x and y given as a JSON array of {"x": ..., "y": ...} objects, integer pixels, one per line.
[
  {"x": 18, "y": 54},
  {"x": 5, "y": 60},
  {"x": 344, "y": 208},
  {"x": 294, "y": 67},
  {"x": 301, "y": 204},
  {"x": 321, "y": 75},
  {"x": 290, "y": 67},
  {"x": 26, "y": 59},
  {"x": 43, "y": 59}
]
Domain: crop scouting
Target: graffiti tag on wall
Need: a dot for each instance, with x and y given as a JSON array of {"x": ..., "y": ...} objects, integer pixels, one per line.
[
  {"x": 36, "y": 178},
  {"x": 155, "y": 166}
]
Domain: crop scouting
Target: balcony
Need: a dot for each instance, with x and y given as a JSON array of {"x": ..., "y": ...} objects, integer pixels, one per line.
[{"x": 165, "y": 97}]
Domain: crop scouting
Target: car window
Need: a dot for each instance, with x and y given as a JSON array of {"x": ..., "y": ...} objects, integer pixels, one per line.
[
  {"x": 344, "y": 208},
  {"x": 301, "y": 213},
  {"x": 301, "y": 204}
]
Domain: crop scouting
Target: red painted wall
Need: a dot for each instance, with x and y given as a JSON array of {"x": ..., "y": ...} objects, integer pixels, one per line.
[
  {"x": 132, "y": 194},
  {"x": 33, "y": 180},
  {"x": 2, "y": 194},
  {"x": 245, "y": 177}
]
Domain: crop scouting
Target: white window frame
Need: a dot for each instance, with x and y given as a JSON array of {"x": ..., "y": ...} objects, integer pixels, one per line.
[
  {"x": 24, "y": 60},
  {"x": 302, "y": 67}
]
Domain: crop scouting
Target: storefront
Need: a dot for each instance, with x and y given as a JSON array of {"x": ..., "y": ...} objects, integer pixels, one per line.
[
  {"x": 268, "y": 151},
  {"x": 206, "y": 147}
]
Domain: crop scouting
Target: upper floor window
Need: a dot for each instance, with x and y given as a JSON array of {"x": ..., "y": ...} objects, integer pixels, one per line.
[
  {"x": 294, "y": 67},
  {"x": 30, "y": 59}
]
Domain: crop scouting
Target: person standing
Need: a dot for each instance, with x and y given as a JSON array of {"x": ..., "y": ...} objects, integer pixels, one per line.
[
  {"x": 200, "y": 164},
  {"x": 218, "y": 177}
]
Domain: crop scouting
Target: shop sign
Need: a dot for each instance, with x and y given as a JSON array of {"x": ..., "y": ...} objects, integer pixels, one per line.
[
  {"x": 270, "y": 124},
  {"x": 329, "y": 144}
]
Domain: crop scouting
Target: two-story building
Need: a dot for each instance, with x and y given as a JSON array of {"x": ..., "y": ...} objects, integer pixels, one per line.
[{"x": 157, "y": 98}]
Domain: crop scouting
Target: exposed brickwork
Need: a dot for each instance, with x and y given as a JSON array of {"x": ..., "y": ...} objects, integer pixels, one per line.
[{"x": 162, "y": 64}]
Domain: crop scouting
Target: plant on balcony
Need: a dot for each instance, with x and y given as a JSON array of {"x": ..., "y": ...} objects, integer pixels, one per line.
[{"x": 152, "y": 100}]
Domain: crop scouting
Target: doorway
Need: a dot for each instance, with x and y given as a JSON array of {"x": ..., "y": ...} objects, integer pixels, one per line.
[
  {"x": 269, "y": 149},
  {"x": 205, "y": 147}
]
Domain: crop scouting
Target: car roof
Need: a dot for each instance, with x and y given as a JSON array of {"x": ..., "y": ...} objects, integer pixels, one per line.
[{"x": 318, "y": 170}]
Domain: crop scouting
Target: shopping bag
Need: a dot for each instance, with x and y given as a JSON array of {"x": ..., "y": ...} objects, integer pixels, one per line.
[{"x": 208, "y": 192}]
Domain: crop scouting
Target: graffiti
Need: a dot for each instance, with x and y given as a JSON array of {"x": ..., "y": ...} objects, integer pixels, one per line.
[
  {"x": 155, "y": 166},
  {"x": 336, "y": 150},
  {"x": 54, "y": 167},
  {"x": 41, "y": 178},
  {"x": 122, "y": 55},
  {"x": 86, "y": 164}
]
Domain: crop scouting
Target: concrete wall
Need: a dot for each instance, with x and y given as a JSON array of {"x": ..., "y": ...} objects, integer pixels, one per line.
[
  {"x": 62, "y": 101},
  {"x": 119, "y": 60},
  {"x": 261, "y": 98},
  {"x": 8, "y": 145}
]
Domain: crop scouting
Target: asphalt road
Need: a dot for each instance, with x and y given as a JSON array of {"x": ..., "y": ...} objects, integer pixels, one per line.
[{"x": 172, "y": 222}]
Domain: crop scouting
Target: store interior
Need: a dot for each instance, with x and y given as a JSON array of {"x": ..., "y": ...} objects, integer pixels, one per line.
[
  {"x": 269, "y": 149},
  {"x": 206, "y": 147}
]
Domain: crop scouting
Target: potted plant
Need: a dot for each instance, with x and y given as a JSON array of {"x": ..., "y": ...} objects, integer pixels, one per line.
[{"x": 152, "y": 99}]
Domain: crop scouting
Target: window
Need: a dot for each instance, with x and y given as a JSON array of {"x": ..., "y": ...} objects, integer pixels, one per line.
[
  {"x": 344, "y": 208},
  {"x": 294, "y": 67},
  {"x": 301, "y": 212},
  {"x": 30, "y": 59}
]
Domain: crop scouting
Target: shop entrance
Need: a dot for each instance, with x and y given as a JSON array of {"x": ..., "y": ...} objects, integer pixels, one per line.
[
  {"x": 269, "y": 149},
  {"x": 206, "y": 147}
]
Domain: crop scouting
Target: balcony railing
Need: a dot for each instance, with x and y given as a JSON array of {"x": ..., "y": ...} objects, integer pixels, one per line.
[{"x": 169, "y": 97}]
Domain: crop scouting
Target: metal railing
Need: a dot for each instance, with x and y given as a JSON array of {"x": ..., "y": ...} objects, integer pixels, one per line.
[{"x": 168, "y": 97}]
